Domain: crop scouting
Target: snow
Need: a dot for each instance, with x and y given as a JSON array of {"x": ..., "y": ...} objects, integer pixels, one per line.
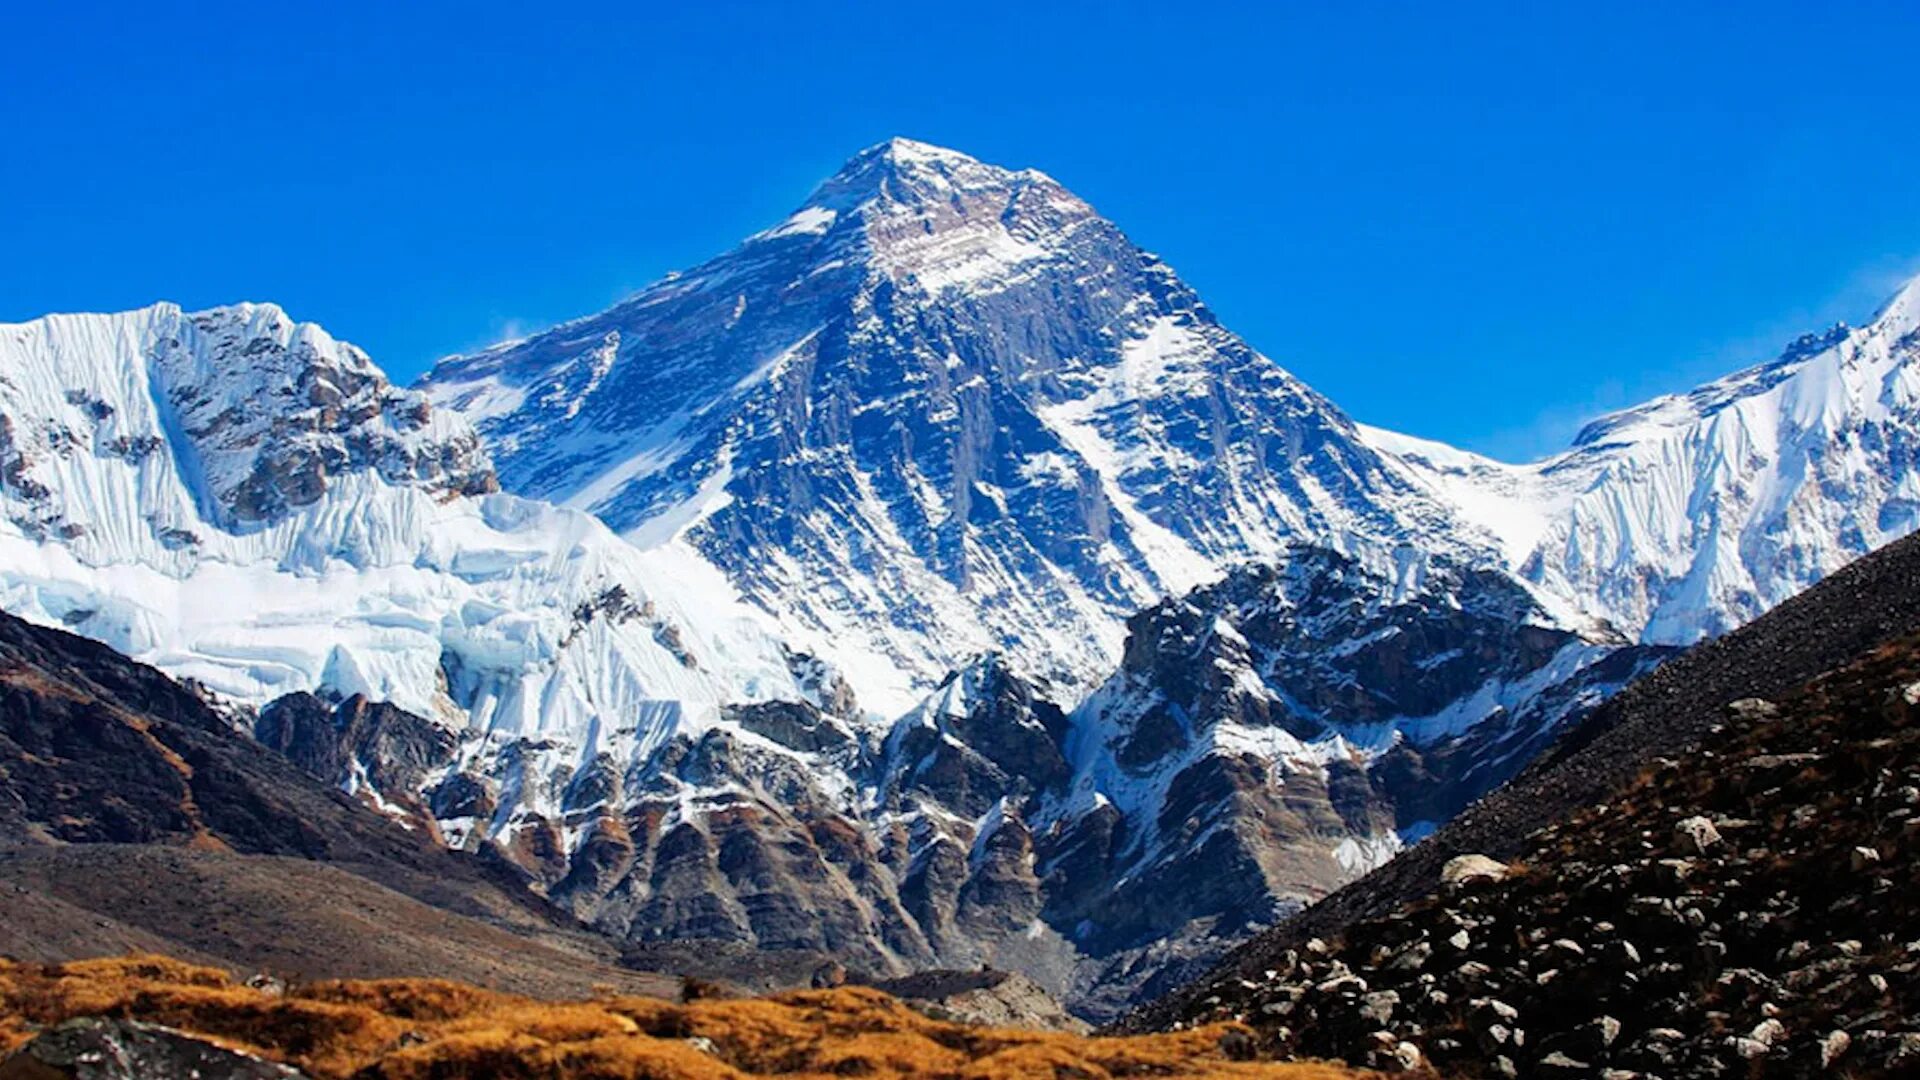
[
  {"x": 807, "y": 221},
  {"x": 463, "y": 609}
]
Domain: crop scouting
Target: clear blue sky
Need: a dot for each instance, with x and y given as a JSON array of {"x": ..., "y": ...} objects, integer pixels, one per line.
[{"x": 1481, "y": 224}]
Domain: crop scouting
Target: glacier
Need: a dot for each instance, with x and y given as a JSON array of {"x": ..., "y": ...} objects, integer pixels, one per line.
[{"x": 245, "y": 502}]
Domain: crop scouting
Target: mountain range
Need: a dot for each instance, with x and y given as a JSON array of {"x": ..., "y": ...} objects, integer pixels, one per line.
[{"x": 932, "y": 580}]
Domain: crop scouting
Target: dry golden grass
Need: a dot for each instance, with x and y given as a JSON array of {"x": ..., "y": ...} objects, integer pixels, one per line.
[{"x": 423, "y": 1029}]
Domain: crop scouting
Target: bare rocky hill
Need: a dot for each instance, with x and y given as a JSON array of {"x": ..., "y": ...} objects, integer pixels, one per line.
[{"x": 1738, "y": 900}]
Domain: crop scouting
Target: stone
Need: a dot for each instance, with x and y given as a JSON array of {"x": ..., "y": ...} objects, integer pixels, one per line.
[
  {"x": 1834, "y": 1046},
  {"x": 1471, "y": 972},
  {"x": 1237, "y": 1045},
  {"x": 95, "y": 1048},
  {"x": 1559, "y": 1064},
  {"x": 1405, "y": 1057},
  {"x": 1378, "y": 1006},
  {"x": 1412, "y": 958},
  {"x": 1343, "y": 984},
  {"x": 1467, "y": 869},
  {"x": 1753, "y": 709},
  {"x": 1695, "y": 835}
]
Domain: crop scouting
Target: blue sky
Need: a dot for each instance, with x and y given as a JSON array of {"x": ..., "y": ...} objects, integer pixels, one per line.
[{"x": 1476, "y": 223}]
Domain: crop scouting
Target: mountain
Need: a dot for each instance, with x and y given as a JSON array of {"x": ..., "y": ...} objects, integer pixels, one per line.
[
  {"x": 1270, "y": 737},
  {"x": 1679, "y": 714},
  {"x": 943, "y": 408},
  {"x": 1709, "y": 882},
  {"x": 1692, "y": 514},
  {"x": 931, "y": 581},
  {"x": 248, "y": 503}
]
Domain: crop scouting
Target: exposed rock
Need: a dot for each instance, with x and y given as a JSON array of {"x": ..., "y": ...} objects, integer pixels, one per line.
[
  {"x": 105, "y": 1049},
  {"x": 985, "y": 997},
  {"x": 1463, "y": 869},
  {"x": 1608, "y": 957},
  {"x": 1695, "y": 835}
]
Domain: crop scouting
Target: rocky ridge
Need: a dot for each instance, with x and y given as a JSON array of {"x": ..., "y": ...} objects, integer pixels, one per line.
[{"x": 1739, "y": 904}]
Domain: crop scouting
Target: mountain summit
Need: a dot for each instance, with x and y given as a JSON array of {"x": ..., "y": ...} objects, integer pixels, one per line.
[{"x": 943, "y": 408}]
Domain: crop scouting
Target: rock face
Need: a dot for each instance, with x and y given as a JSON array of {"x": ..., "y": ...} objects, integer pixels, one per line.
[
  {"x": 1273, "y": 736},
  {"x": 943, "y": 408},
  {"x": 985, "y": 997},
  {"x": 1657, "y": 718},
  {"x": 372, "y": 747},
  {"x": 136, "y": 816},
  {"x": 102, "y": 1049}
]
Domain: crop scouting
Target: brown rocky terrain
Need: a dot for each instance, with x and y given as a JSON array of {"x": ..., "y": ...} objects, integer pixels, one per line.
[
  {"x": 169, "y": 1017},
  {"x": 290, "y": 918},
  {"x": 1748, "y": 905}
]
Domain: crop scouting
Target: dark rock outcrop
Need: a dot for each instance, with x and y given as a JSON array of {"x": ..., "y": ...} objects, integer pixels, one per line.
[
  {"x": 106, "y": 1049},
  {"x": 1742, "y": 903}
]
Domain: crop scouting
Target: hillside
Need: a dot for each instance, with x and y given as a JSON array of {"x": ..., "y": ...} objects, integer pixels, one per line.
[
  {"x": 420, "y": 1029},
  {"x": 1742, "y": 900},
  {"x": 135, "y": 816},
  {"x": 1871, "y": 601}
]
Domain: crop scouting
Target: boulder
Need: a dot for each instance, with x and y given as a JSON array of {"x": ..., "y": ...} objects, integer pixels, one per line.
[
  {"x": 1695, "y": 835},
  {"x": 1467, "y": 869}
]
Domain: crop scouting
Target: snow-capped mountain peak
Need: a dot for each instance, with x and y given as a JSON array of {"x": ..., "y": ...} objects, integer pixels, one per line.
[{"x": 943, "y": 408}]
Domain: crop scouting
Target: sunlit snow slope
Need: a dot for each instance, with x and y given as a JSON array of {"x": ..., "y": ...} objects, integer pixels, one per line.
[
  {"x": 1691, "y": 514},
  {"x": 242, "y": 500}
]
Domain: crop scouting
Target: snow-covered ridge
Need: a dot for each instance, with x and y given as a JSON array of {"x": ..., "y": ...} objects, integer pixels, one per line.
[
  {"x": 241, "y": 500},
  {"x": 1693, "y": 513}
]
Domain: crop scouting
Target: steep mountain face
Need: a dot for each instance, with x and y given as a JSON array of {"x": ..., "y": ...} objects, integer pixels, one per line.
[
  {"x": 1272, "y": 736},
  {"x": 943, "y": 408},
  {"x": 1690, "y": 515},
  {"x": 1673, "y": 714},
  {"x": 133, "y": 814}
]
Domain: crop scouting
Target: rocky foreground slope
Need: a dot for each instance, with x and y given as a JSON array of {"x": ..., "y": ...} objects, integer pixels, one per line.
[
  {"x": 1743, "y": 904},
  {"x": 142, "y": 1017}
]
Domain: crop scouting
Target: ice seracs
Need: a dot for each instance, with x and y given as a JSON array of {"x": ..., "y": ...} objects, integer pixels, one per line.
[
  {"x": 242, "y": 500},
  {"x": 1692, "y": 514}
]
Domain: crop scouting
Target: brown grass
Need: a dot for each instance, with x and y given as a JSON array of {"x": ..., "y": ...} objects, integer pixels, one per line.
[{"x": 424, "y": 1029}]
